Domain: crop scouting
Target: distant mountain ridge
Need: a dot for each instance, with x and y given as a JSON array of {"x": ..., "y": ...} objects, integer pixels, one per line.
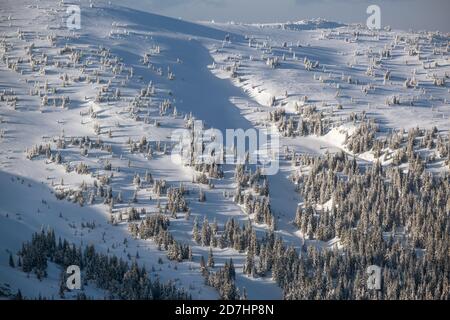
[{"x": 306, "y": 24}]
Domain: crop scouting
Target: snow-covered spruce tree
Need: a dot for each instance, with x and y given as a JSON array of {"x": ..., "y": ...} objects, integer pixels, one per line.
[{"x": 210, "y": 258}]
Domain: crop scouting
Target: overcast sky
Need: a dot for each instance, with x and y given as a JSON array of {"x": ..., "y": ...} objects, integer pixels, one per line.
[{"x": 401, "y": 14}]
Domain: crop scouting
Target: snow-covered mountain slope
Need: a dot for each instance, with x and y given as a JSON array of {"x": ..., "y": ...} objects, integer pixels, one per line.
[{"x": 106, "y": 98}]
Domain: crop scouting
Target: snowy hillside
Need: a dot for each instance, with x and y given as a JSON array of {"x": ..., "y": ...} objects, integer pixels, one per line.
[{"x": 87, "y": 118}]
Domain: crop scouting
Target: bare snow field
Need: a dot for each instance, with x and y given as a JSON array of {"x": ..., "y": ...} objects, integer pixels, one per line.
[{"x": 86, "y": 118}]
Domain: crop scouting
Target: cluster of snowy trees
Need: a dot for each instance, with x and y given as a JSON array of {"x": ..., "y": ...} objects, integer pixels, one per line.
[
  {"x": 85, "y": 144},
  {"x": 407, "y": 272},
  {"x": 223, "y": 280},
  {"x": 207, "y": 237},
  {"x": 259, "y": 207},
  {"x": 443, "y": 148},
  {"x": 252, "y": 192},
  {"x": 272, "y": 62},
  {"x": 9, "y": 97},
  {"x": 384, "y": 216},
  {"x": 146, "y": 147},
  {"x": 160, "y": 187},
  {"x": 155, "y": 227},
  {"x": 39, "y": 150},
  {"x": 176, "y": 201},
  {"x": 213, "y": 170},
  {"x": 99, "y": 190},
  {"x": 308, "y": 121},
  {"x": 363, "y": 138},
  {"x": 121, "y": 280},
  {"x": 414, "y": 145},
  {"x": 309, "y": 64},
  {"x": 231, "y": 236}
]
